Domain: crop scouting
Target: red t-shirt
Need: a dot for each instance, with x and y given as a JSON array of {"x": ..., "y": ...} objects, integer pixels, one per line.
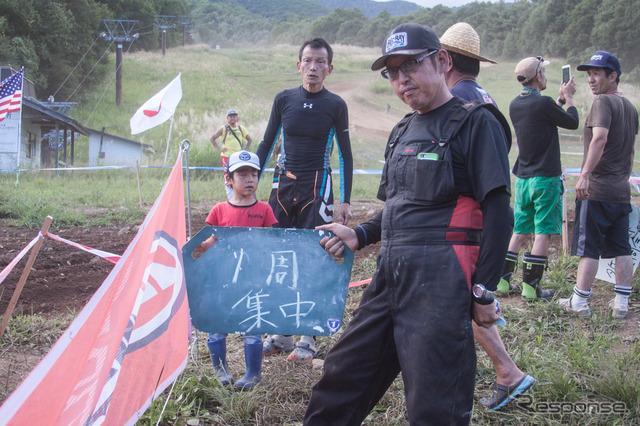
[{"x": 257, "y": 215}]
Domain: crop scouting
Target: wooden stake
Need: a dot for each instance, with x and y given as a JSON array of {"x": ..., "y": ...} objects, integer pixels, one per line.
[
  {"x": 25, "y": 275},
  {"x": 138, "y": 177}
]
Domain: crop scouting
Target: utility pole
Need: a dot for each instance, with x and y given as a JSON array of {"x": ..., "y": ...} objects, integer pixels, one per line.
[
  {"x": 185, "y": 21},
  {"x": 163, "y": 22},
  {"x": 119, "y": 30}
]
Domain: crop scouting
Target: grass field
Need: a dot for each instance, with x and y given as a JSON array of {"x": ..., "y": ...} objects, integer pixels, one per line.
[{"x": 587, "y": 371}]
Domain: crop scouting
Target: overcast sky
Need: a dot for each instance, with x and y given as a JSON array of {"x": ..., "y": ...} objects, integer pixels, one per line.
[{"x": 449, "y": 3}]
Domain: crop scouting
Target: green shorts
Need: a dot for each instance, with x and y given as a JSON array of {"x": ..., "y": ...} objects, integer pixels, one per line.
[{"x": 538, "y": 205}]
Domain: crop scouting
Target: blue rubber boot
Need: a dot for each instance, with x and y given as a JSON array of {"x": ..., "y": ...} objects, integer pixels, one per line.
[
  {"x": 253, "y": 361},
  {"x": 218, "y": 351}
]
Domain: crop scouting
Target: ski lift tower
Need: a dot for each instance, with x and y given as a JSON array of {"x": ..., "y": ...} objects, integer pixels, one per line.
[
  {"x": 119, "y": 30},
  {"x": 164, "y": 22},
  {"x": 186, "y": 23}
]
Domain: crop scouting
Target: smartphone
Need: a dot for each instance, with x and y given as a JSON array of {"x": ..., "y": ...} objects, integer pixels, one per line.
[
  {"x": 501, "y": 320},
  {"x": 566, "y": 73}
]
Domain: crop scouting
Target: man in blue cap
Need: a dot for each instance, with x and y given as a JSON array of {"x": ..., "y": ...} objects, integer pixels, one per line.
[
  {"x": 601, "y": 227},
  {"x": 444, "y": 236}
]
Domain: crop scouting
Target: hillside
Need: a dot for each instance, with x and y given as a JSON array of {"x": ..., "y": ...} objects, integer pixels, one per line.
[
  {"x": 370, "y": 8},
  {"x": 317, "y": 8},
  {"x": 214, "y": 80}
]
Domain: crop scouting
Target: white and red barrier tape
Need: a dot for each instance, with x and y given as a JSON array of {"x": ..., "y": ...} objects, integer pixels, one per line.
[
  {"x": 113, "y": 258},
  {"x": 103, "y": 254},
  {"x": 7, "y": 269}
]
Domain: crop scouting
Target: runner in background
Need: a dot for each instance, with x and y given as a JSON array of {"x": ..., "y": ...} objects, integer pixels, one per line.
[{"x": 234, "y": 138}]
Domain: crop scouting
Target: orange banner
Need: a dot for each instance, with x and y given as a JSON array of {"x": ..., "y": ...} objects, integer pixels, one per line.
[{"x": 131, "y": 340}]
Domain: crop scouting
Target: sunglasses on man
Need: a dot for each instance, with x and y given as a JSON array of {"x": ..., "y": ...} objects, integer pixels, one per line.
[{"x": 407, "y": 67}]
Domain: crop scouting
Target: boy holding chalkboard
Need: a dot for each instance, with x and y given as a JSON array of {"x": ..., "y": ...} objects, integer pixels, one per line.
[{"x": 242, "y": 209}]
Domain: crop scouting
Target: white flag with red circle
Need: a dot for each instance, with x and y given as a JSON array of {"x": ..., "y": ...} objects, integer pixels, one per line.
[{"x": 158, "y": 109}]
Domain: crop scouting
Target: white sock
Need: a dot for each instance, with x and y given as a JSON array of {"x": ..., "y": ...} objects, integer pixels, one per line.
[
  {"x": 622, "y": 295},
  {"x": 310, "y": 341},
  {"x": 579, "y": 298}
]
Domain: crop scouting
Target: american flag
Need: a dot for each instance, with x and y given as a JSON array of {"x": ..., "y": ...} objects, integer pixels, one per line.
[{"x": 11, "y": 94}]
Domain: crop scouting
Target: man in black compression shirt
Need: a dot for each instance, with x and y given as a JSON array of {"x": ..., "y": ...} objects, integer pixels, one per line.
[
  {"x": 444, "y": 235},
  {"x": 307, "y": 119}
]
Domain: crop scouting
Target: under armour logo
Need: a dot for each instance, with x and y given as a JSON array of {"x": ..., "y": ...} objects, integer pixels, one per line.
[{"x": 308, "y": 106}]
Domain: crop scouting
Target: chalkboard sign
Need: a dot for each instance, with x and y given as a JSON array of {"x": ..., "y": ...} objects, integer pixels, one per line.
[{"x": 265, "y": 281}]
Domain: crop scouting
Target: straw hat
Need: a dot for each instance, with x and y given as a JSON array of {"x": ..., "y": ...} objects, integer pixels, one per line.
[{"x": 463, "y": 39}]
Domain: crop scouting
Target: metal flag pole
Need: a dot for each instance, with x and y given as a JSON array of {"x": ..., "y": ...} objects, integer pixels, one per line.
[{"x": 166, "y": 153}]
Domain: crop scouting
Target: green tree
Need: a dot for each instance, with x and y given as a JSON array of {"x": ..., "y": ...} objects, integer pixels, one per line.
[
  {"x": 291, "y": 29},
  {"x": 616, "y": 29},
  {"x": 512, "y": 18},
  {"x": 341, "y": 25},
  {"x": 375, "y": 30},
  {"x": 49, "y": 38},
  {"x": 577, "y": 34},
  {"x": 228, "y": 24}
]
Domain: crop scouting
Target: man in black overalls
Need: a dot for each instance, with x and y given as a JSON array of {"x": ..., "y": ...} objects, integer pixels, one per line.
[{"x": 444, "y": 233}]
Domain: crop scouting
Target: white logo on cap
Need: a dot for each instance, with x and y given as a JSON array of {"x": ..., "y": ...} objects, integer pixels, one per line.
[
  {"x": 244, "y": 156},
  {"x": 596, "y": 58},
  {"x": 396, "y": 40}
]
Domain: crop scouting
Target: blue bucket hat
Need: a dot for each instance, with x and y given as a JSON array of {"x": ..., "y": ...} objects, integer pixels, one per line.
[{"x": 602, "y": 59}]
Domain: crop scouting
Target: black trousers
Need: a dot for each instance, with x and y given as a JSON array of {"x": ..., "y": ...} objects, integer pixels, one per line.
[{"x": 414, "y": 319}]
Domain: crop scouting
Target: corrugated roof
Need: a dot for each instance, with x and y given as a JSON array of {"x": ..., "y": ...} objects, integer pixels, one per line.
[{"x": 41, "y": 112}]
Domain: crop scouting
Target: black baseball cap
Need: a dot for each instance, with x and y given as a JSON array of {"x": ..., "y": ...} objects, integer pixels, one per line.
[
  {"x": 602, "y": 59},
  {"x": 407, "y": 39}
]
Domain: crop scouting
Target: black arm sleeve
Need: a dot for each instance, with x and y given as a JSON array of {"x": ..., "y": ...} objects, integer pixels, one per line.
[
  {"x": 370, "y": 232},
  {"x": 346, "y": 158},
  {"x": 270, "y": 136},
  {"x": 497, "y": 218}
]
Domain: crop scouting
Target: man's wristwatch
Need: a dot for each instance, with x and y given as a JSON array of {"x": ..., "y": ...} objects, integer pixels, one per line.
[
  {"x": 561, "y": 101},
  {"x": 481, "y": 295}
]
